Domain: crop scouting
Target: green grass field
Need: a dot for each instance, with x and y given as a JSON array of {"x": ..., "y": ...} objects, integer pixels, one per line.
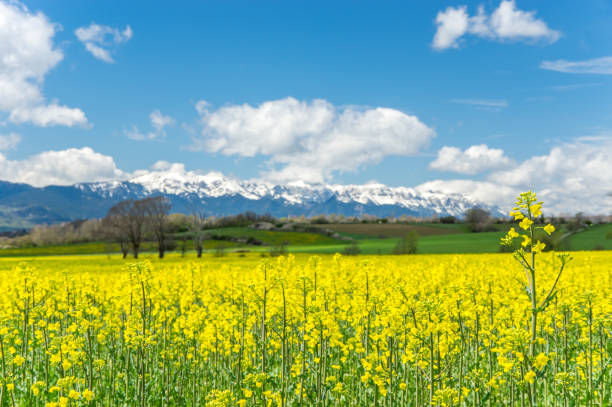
[
  {"x": 434, "y": 239},
  {"x": 380, "y": 230},
  {"x": 450, "y": 243},
  {"x": 275, "y": 237},
  {"x": 592, "y": 238}
]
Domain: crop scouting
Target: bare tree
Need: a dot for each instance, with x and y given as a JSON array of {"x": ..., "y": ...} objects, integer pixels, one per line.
[
  {"x": 478, "y": 219},
  {"x": 197, "y": 225},
  {"x": 127, "y": 219},
  {"x": 112, "y": 230},
  {"x": 157, "y": 209}
]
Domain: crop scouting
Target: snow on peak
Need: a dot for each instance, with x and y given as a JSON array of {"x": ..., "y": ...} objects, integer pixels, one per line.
[{"x": 174, "y": 179}]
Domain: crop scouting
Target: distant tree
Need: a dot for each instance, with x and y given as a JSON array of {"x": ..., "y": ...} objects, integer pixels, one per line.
[
  {"x": 319, "y": 220},
  {"x": 128, "y": 218},
  {"x": 279, "y": 250},
  {"x": 407, "y": 244},
  {"x": 352, "y": 250},
  {"x": 156, "y": 210},
  {"x": 178, "y": 223},
  {"x": 478, "y": 219},
  {"x": 577, "y": 223},
  {"x": 183, "y": 245},
  {"x": 250, "y": 216},
  {"x": 219, "y": 250},
  {"x": 197, "y": 227},
  {"x": 112, "y": 230},
  {"x": 448, "y": 219}
]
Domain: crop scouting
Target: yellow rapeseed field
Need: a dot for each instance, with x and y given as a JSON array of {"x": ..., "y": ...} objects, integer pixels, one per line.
[{"x": 419, "y": 330}]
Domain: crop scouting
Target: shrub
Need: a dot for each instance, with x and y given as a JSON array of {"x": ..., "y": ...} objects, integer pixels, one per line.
[
  {"x": 555, "y": 241},
  {"x": 577, "y": 223},
  {"x": 320, "y": 220},
  {"x": 278, "y": 250},
  {"x": 407, "y": 244},
  {"x": 448, "y": 219},
  {"x": 220, "y": 250},
  {"x": 478, "y": 220},
  {"x": 352, "y": 250}
]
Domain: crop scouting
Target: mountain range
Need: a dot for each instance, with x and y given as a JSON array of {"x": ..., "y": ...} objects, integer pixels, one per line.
[{"x": 23, "y": 205}]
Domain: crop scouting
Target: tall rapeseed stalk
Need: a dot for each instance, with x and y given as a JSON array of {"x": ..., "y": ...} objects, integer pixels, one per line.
[{"x": 526, "y": 211}]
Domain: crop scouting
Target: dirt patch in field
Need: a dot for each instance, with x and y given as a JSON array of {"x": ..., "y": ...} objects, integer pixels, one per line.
[{"x": 388, "y": 229}]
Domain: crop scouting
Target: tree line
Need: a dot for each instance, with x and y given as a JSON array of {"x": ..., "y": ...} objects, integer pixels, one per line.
[{"x": 130, "y": 222}]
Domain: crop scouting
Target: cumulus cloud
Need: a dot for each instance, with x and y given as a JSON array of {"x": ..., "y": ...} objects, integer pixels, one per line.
[
  {"x": 100, "y": 39},
  {"x": 482, "y": 191},
  {"x": 309, "y": 141},
  {"x": 600, "y": 66},
  {"x": 27, "y": 54},
  {"x": 9, "y": 141},
  {"x": 65, "y": 167},
  {"x": 472, "y": 160},
  {"x": 571, "y": 177},
  {"x": 452, "y": 24},
  {"x": 159, "y": 122},
  {"x": 163, "y": 165},
  {"x": 505, "y": 23}
]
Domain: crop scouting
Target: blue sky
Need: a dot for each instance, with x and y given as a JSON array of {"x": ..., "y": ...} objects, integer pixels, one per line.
[{"x": 475, "y": 96}]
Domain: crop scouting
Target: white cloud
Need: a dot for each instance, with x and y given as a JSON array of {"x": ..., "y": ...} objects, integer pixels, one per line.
[
  {"x": 27, "y": 54},
  {"x": 159, "y": 122},
  {"x": 309, "y": 141},
  {"x": 572, "y": 177},
  {"x": 488, "y": 192},
  {"x": 505, "y": 23},
  {"x": 574, "y": 86},
  {"x": 9, "y": 141},
  {"x": 487, "y": 104},
  {"x": 452, "y": 24},
  {"x": 578, "y": 166},
  {"x": 136, "y": 134},
  {"x": 600, "y": 66},
  {"x": 65, "y": 167},
  {"x": 98, "y": 39},
  {"x": 473, "y": 160},
  {"x": 48, "y": 115},
  {"x": 163, "y": 165}
]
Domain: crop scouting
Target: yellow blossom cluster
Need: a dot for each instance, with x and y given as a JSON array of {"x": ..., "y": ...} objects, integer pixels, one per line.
[{"x": 527, "y": 210}]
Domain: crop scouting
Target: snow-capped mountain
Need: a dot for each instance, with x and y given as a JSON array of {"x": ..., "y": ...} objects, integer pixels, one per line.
[
  {"x": 220, "y": 195},
  {"x": 293, "y": 198}
]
